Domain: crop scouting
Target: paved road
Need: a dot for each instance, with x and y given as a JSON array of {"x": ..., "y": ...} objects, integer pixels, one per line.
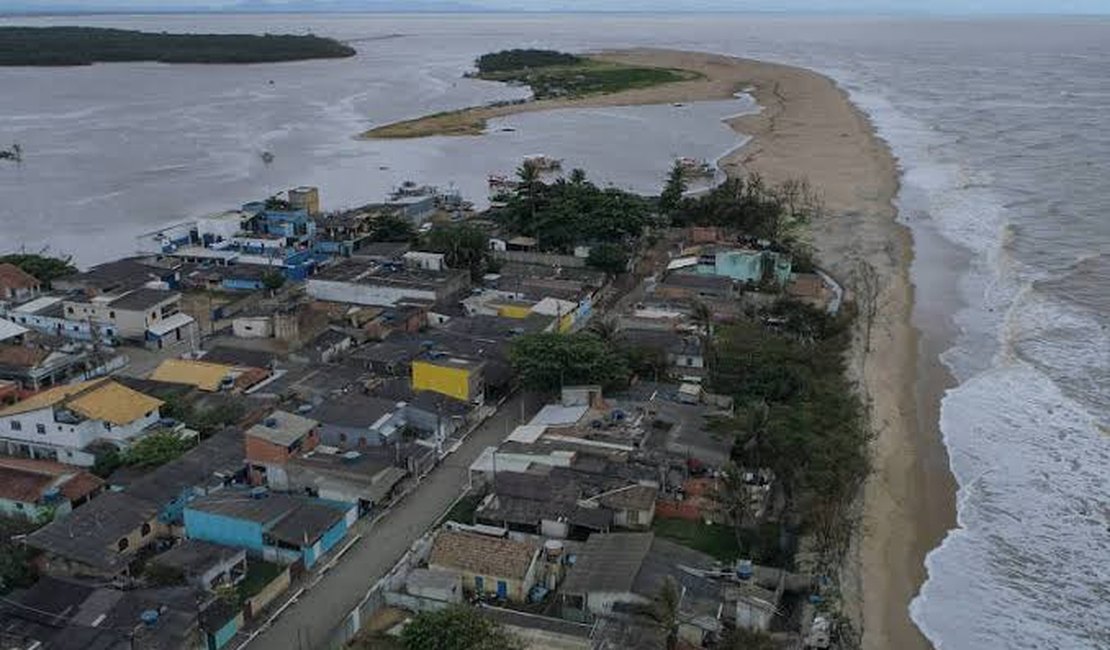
[{"x": 307, "y": 624}]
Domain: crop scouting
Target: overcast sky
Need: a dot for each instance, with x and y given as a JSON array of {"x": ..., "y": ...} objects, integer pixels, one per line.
[{"x": 883, "y": 6}]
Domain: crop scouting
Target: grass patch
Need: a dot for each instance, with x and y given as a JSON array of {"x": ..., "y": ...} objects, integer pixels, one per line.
[
  {"x": 259, "y": 574},
  {"x": 464, "y": 509},
  {"x": 716, "y": 540}
]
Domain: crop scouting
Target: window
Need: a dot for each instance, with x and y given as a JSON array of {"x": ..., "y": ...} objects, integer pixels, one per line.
[
  {"x": 342, "y": 438},
  {"x": 16, "y": 425},
  {"x": 479, "y": 584},
  {"x": 112, "y": 315},
  {"x": 18, "y": 506},
  {"x": 41, "y": 428},
  {"x": 123, "y": 544},
  {"x": 69, "y": 310},
  {"x": 145, "y": 530},
  {"x": 633, "y": 517},
  {"x": 108, "y": 426}
]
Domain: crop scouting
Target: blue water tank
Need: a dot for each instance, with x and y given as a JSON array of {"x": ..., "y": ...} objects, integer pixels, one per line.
[{"x": 149, "y": 617}]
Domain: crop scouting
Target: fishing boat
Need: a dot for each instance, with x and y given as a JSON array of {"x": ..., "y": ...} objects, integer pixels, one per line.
[
  {"x": 544, "y": 163},
  {"x": 694, "y": 168}
]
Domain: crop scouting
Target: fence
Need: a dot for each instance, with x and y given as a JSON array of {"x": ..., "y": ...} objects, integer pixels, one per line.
[{"x": 542, "y": 259}]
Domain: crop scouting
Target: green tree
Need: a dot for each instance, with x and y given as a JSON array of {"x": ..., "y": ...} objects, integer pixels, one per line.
[
  {"x": 578, "y": 176},
  {"x": 16, "y": 566},
  {"x": 273, "y": 280},
  {"x": 156, "y": 449},
  {"x": 608, "y": 257},
  {"x": 464, "y": 247},
  {"x": 673, "y": 190},
  {"x": 456, "y": 628},
  {"x": 46, "y": 269},
  {"x": 667, "y": 606},
  {"x": 548, "y": 361},
  {"x": 745, "y": 639},
  {"x": 391, "y": 227}
]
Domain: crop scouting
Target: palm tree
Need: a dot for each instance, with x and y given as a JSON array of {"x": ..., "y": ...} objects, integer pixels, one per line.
[
  {"x": 702, "y": 317},
  {"x": 667, "y": 605},
  {"x": 577, "y": 176},
  {"x": 606, "y": 329},
  {"x": 528, "y": 176}
]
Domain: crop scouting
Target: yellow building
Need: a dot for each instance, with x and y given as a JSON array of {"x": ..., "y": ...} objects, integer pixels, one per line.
[
  {"x": 456, "y": 377},
  {"x": 514, "y": 309}
]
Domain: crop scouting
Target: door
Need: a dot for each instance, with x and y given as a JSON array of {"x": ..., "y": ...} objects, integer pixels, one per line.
[
  {"x": 479, "y": 584},
  {"x": 502, "y": 590}
]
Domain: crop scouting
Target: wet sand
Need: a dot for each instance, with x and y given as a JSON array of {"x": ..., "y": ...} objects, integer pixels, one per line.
[{"x": 809, "y": 129}]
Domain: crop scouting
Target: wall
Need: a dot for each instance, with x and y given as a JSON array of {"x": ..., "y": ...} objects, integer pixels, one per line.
[
  {"x": 453, "y": 382},
  {"x": 10, "y": 508},
  {"x": 327, "y": 541},
  {"x": 539, "y": 259},
  {"x": 269, "y": 593},
  {"x": 221, "y": 637},
  {"x": 69, "y": 436},
  {"x": 365, "y": 294},
  {"x": 219, "y": 529},
  {"x": 248, "y": 327}
]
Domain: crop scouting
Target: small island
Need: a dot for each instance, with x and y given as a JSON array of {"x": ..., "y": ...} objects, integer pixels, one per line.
[
  {"x": 68, "y": 46},
  {"x": 557, "y": 79}
]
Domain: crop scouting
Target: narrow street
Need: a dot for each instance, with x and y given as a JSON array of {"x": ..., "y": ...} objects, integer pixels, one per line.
[{"x": 307, "y": 624}]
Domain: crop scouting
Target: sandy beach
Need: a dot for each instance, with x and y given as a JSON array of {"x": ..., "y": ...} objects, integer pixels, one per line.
[{"x": 809, "y": 129}]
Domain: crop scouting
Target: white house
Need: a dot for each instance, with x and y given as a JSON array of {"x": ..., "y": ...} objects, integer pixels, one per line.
[{"x": 60, "y": 423}]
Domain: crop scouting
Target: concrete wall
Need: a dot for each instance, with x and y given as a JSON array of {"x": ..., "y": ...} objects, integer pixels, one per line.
[
  {"x": 251, "y": 327},
  {"x": 218, "y": 529},
  {"x": 540, "y": 259},
  {"x": 364, "y": 294},
  {"x": 269, "y": 593}
]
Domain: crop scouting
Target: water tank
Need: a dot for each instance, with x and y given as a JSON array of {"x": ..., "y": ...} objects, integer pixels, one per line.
[
  {"x": 259, "y": 492},
  {"x": 270, "y": 422},
  {"x": 744, "y": 569},
  {"x": 304, "y": 408},
  {"x": 553, "y": 550},
  {"x": 149, "y": 617}
]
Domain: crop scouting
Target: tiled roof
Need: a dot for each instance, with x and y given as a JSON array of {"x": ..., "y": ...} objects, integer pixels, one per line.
[
  {"x": 608, "y": 563},
  {"x": 115, "y": 403},
  {"x": 482, "y": 555},
  {"x": 75, "y": 483},
  {"x": 282, "y": 428},
  {"x": 21, "y": 356},
  {"x": 22, "y": 485},
  {"x": 203, "y": 375},
  {"x": 48, "y": 397},
  {"x": 13, "y": 277}
]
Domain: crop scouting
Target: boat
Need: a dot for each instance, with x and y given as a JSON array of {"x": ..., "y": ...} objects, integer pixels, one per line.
[
  {"x": 544, "y": 163},
  {"x": 267, "y": 157},
  {"x": 692, "y": 167},
  {"x": 15, "y": 154}
]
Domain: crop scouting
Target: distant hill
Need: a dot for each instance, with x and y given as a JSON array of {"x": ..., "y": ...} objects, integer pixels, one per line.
[{"x": 55, "y": 46}]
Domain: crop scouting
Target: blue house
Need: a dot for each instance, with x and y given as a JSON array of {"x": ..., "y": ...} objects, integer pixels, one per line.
[{"x": 277, "y": 527}]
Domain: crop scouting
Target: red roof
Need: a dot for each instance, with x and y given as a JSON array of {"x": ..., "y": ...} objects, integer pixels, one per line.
[
  {"x": 27, "y": 480},
  {"x": 13, "y": 277},
  {"x": 21, "y": 356}
]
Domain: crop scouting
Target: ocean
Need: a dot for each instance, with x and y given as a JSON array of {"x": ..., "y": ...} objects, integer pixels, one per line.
[{"x": 1000, "y": 126}]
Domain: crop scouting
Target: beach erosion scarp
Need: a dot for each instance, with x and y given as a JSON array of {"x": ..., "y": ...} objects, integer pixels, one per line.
[{"x": 809, "y": 129}]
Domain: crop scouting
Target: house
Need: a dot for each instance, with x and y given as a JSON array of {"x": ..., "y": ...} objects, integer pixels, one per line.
[
  {"x": 385, "y": 284},
  {"x": 60, "y": 423},
  {"x": 489, "y": 566},
  {"x": 276, "y": 527},
  {"x": 102, "y": 537},
  {"x": 12, "y": 333},
  {"x": 205, "y": 566},
  {"x": 431, "y": 413},
  {"x": 425, "y": 260},
  {"x": 355, "y": 421},
  {"x": 47, "y": 315},
  {"x": 624, "y": 572},
  {"x": 454, "y": 376},
  {"x": 432, "y": 584},
  {"x": 328, "y": 346},
  {"x": 208, "y": 376},
  {"x": 67, "y": 614},
  {"x": 682, "y": 351},
  {"x": 149, "y": 315},
  {"x": 273, "y": 442},
  {"x": 747, "y": 266},
  {"x": 691, "y": 287},
  {"x": 38, "y": 366},
  {"x": 305, "y": 198},
  {"x": 99, "y": 539},
  {"x": 121, "y": 276},
  {"x": 39, "y": 489},
  {"x": 16, "y": 284},
  {"x": 366, "y": 479}
]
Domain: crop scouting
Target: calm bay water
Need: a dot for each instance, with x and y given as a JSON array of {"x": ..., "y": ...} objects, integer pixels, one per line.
[{"x": 1001, "y": 129}]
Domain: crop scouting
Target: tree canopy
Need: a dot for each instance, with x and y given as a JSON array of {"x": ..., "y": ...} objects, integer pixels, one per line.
[
  {"x": 751, "y": 206},
  {"x": 392, "y": 228},
  {"x": 464, "y": 247},
  {"x": 548, "y": 361},
  {"x": 43, "y": 267},
  {"x": 86, "y": 45},
  {"x": 609, "y": 257},
  {"x": 518, "y": 58},
  {"x": 455, "y": 628},
  {"x": 565, "y": 213}
]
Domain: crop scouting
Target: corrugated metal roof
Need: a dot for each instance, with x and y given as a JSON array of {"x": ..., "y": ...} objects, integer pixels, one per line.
[
  {"x": 169, "y": 324},
  {"x": 557, "y": 414},
  {"x": 10, "y": 330}
]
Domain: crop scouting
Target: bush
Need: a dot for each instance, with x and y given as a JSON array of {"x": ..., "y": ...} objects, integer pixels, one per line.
[{"x": 455, "y": 628}]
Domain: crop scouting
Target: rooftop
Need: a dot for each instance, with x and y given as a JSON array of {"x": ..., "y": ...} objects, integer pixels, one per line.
[
  {"x": 39, "y": 305},
  {"x": 142, "y": 299},
  {"x": 27, "y": 480},
  {"x": 195, "y": 557},
  {"x": 13, "y": 277},
  {"x": 353, "y": 410},
  {"x": 98, "y": 399},
  {"x": 296, "y": 520},
  {"x": 282, "y": 428},
  {"x": 89, "y": 534},
  {"x": 482, "y": 554},
  {"x": 9, "y": 330},
  {"x": 202, "y": 374},
  {"x": 386, "y": 273},
  {"x": 214, "y": 461},
  {"x": 608, "y": 562}
]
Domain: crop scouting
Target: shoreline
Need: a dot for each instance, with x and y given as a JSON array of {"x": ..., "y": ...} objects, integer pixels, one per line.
[{"x": 809, "y": 128}]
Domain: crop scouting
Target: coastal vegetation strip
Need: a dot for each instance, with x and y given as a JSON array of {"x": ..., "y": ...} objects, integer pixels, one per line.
[
  {"x": 67, "y": 46},
  {"x": 552, "y": 77}
]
